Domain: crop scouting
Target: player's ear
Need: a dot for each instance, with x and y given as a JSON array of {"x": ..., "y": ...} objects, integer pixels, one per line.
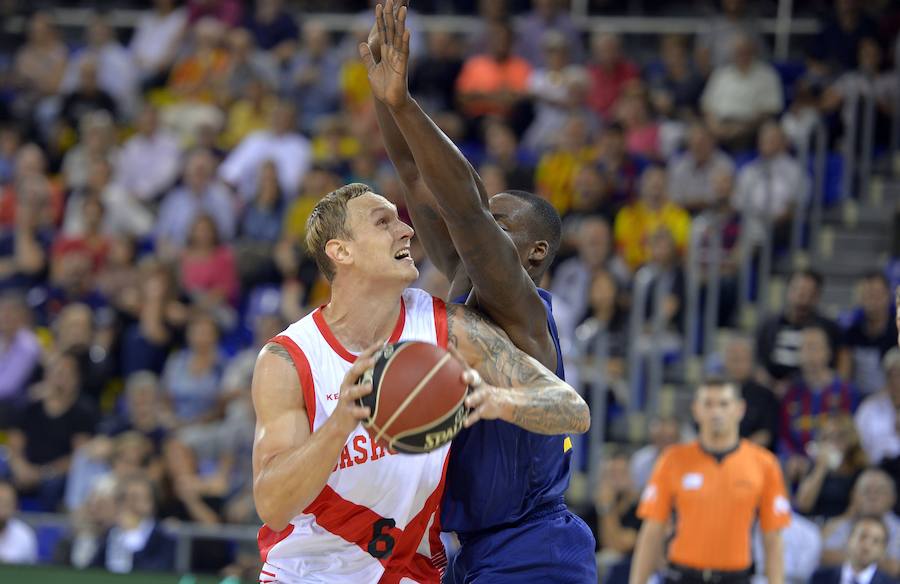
[
  {"x": 338, "y": 251},
  {"x": 539, "y": 251}
]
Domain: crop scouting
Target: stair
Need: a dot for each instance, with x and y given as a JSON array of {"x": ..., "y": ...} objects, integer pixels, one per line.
[{"x": 855, "y": 238}]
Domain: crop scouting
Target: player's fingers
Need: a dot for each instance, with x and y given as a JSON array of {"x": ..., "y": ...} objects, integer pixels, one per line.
[
  {"x": 388, "y": 16},
  {"x": 361, "y": 412},
  {"x": 379, "y": 21},
  {"x": 471, "y": 378},
  {"x": 399, "y": 25},
  {"x": 365, "y": 54},
  {"x": 354, "y": 392},
  {"x": 472, "y": 418},
  {"x": 406, "y": 37},
  {"x": 475, "y": 399}
]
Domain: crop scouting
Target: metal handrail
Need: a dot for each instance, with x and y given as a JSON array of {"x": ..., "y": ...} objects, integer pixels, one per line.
[
  {"x": 591, "y": 351},
  {"x": 849, "y": 148},
  {"x": 817, "y": 199},
  {"x": 637, "y": 323},
  {"x": 895, "y": 118},
  {"x": 868, "y": 144}
]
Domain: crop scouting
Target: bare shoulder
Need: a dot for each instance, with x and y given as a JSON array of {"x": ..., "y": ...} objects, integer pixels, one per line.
[{"x": 275, "y": 379}]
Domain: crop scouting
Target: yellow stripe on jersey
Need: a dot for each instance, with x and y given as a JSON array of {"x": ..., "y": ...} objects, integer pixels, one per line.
[{"x": 567, "y": 444}]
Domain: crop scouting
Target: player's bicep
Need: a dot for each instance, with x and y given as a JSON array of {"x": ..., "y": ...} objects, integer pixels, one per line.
[
  {"x": 487, "y": 349},
  {"x": 282, "y": 423}
]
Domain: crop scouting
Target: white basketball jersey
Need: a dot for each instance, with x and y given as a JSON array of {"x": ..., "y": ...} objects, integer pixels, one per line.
[{"x": 377, "y": 519}]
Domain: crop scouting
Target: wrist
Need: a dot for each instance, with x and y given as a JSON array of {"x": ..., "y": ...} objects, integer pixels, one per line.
[
  {"x": 403, "y": 106},
  {"x": 508, "y": 403},
  {"x": 338, "y": 428}
]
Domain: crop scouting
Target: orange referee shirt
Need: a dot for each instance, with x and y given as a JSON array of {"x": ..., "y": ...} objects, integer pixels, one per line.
[{"x": 715, "y": 503}]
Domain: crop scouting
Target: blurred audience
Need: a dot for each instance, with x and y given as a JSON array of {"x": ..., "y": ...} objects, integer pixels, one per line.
[
  {"x": 873, "y": 496},
  {"x": 48, "y": 430},
  {"x": 18, "y": 542},
  {"x": 739, "y": 96},
  {"x": 691, "y": 173},
  {"x": 838, "y": 460},
  {"x": 136, "y": 541},
  {"x": 610, "y": 72},
  {"x": 865, "y": 551},
  {"x": 771, "y": 188},
  {"x": 20, "y": 356},
  {"x": 636, "y": 223},
  {"x": 877, "y": 419},
  {"x": 815, "y": 392},
  {"x": 869, "y": 333},
  {"x": 779, "y": 337}
]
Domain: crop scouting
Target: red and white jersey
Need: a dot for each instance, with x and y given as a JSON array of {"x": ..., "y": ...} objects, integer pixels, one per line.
[{"x": 377, "y": 519}]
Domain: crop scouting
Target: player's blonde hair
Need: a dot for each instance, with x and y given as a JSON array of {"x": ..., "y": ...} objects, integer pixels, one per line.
[{"x": 328, "y": 221}]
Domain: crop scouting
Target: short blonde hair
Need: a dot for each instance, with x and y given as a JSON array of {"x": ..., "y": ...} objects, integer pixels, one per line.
[{"x": 328, "y": 221}]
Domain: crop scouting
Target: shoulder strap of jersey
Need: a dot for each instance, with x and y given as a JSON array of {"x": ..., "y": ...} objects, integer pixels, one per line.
[{"x": 304, "y": 373}]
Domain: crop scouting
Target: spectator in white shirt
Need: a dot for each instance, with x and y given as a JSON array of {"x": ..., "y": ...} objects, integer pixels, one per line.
[
  {"x": 290, "y": 151},
  {"x": 151, "y": 147},
  {"x": 770, "y": 187},
  {"x": 201, "y": 193},
  {"x": 115, "y": 71},
  {"x": 155, "y": 43},
  {"x": 876, "y": 418},
  {"x": 739, "y": 96},
  {"x": 802, "y": 544},
  {"x": 123, "y": 213},
  {"x": 866, "y": 548},
  {"x": 874, "y": 495},
  {"x": 690, "y": 174},
  {"x": 18, "y": 542}
]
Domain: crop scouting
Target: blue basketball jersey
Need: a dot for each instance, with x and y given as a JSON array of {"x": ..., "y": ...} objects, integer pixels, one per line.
[{"x": 499, "y": 473}]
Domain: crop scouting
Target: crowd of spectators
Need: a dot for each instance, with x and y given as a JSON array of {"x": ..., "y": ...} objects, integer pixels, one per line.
[{"x": 154, "y": 189}]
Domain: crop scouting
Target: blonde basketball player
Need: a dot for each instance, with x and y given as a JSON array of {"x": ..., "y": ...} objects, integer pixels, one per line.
[{"x": 336, "y": 507}]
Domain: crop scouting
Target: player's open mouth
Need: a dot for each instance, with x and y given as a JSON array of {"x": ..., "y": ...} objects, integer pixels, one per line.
[{"x": 403, "y": 254}]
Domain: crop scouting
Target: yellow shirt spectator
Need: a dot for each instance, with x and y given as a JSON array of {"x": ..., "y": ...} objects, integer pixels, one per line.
[
  {"x": 637, "y": 222},
  {"x": 246, "y": 117},
  {"x": 555, "y": 175}
]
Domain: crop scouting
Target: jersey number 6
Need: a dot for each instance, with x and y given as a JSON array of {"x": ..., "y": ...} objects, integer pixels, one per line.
[{"x": 382, "y": 543}]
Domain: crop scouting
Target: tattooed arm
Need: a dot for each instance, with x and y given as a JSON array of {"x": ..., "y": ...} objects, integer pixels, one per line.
[
  {"x": 518, "y": 388},
  {"x": 291, "y": 463}
]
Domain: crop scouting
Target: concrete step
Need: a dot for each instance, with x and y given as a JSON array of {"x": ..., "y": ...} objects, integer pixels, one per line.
[{"x": 875, "y": 213}]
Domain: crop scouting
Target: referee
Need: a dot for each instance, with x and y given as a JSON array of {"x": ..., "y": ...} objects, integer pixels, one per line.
[{"x": 716, "y": 487}]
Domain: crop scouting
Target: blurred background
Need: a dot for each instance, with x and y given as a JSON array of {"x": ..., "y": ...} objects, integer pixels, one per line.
[{"x": 727, "y": 173}]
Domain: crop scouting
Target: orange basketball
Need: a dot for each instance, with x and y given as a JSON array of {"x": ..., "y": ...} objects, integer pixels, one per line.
[{"x": 417, "y": 397}]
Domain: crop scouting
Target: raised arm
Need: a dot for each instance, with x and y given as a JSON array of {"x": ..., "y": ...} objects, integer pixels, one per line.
[
  {"x": 420, "y": 202},
  {"x": 503, "y": 289},
  {"x": 519, "y": 390},
  {"x": 291, "y": 463}
]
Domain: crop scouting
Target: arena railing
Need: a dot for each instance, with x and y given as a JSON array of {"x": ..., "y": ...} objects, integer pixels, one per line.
[
  {"x": 704, "y": 264},
  {"x": 589, "y": 353},
  {"x": 645, "y": 351},
  {"x": 184, "y": 533}
]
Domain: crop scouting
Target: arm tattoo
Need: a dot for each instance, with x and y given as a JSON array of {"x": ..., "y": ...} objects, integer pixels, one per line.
[
  {"x": 279, "y": 351},
  {"x": 544, "y": 404}
]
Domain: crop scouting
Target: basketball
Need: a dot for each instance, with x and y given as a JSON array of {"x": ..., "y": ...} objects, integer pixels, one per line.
[{"x": 417, "y": 397}]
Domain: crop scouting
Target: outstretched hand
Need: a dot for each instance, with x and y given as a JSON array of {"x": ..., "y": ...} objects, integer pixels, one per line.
[
  {"x": 387, "y": 75},
  {"x": 374, "y": 40}
]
